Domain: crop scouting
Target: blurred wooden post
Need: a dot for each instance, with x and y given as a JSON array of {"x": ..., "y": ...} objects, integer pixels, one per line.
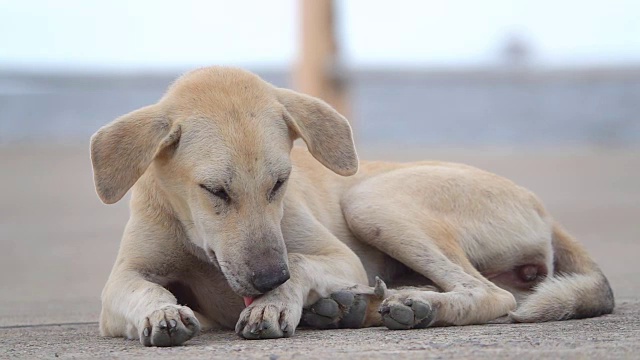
[{"x": 318, "y": 71}]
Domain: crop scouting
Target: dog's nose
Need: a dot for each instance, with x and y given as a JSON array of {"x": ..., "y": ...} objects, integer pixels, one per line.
[{"x": 269, "y": 279}]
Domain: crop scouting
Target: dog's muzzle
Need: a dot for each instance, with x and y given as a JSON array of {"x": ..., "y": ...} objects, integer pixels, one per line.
[{"x": 268, "y": 279}]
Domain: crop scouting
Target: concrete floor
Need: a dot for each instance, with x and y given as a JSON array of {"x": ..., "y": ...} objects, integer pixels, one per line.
[
  {"x": 59, "y": 243},
  {"x": 614, "y": 336}
]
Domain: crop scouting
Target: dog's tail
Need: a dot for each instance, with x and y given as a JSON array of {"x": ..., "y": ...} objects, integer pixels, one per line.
[{"x": 577, "y": 289}]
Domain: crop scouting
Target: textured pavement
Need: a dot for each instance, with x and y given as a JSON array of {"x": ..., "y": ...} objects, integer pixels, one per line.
[
  {"x": 58, "y": 243},
  {"x": 614, "y": 336}
]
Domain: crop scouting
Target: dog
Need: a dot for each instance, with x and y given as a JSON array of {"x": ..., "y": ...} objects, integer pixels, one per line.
[{"x": 232, "y": 226}]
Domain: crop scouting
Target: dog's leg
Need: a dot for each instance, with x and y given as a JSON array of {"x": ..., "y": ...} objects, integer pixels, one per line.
[
  {"x": 319, "y": 265},
  {"x": 467, "y": 297},
  {"x": 428, "y": 246},
  {"x": 139, "y": 309}
]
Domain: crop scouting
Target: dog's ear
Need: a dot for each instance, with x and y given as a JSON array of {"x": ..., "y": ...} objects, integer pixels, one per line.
[
  {"x": 327, "y": 133},
  {"x": 123, "y": 150}
]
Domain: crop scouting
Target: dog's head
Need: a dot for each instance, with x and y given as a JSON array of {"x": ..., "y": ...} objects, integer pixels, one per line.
[{"x": 217, "y": 146}]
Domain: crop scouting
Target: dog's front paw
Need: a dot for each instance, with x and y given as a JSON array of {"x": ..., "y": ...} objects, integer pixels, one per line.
[
  {"x": 170, "y": 326},
  {"x": 342, "y": 309},
  {"x": 401, "y": 312},
  {"x": 265, "y": 319}
]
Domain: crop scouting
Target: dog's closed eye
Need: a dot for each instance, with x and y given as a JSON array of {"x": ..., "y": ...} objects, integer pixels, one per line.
[
  {"x": 220, "y": 193},
  {"x": 276, "y": 187}
]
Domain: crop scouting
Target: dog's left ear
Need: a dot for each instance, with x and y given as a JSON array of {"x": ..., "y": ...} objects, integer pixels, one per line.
[{"x": 327, "y": 133}]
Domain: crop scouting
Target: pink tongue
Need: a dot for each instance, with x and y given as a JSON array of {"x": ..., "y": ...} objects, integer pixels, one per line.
[{"x": 247, "y": 300}]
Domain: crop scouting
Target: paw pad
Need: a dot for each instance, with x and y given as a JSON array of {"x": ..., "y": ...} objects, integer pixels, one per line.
[
  {"x": 406, "y": 314},
  {"x": 342, "y": 309}
]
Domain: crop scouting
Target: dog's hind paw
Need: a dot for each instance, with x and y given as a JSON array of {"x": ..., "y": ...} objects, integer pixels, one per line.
[
  {"x": 402, "y": 313},
  {"x": 343, "y": 309}
]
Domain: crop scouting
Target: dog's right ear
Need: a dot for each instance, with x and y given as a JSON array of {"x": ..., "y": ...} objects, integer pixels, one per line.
[{"x": 123, "y": 150}]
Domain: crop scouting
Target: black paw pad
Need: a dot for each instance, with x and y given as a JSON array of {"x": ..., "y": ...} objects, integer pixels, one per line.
[
  {"x": 409, "y": 314},
  {"x": 343, "y": 309}
]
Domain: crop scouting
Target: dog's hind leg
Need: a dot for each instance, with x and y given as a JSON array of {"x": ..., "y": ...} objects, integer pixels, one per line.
[{"x": 427, "y": 244}]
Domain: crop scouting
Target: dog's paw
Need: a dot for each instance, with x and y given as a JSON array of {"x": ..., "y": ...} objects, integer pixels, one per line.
[
  {"x": 401, "y": 312},
  {"x": 342, "y": 309},
  {"x": 268, "y": 320},
  {"x": 170, "y": 326}
]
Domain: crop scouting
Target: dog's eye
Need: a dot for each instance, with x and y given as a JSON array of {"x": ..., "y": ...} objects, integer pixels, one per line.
[
  {"x": 218, "y": 192},
  {"x": 276, "y": 187}
]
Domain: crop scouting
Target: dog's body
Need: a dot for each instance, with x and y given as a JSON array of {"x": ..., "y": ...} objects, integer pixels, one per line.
[{"x": 211, "y": 223}]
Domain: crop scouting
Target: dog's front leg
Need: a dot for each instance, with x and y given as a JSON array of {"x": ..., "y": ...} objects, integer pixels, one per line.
[
  {"x": 139, "y": 309},
  {"x": 277, "y": 313}
]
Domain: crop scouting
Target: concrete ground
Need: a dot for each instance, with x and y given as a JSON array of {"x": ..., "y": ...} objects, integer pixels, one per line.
[{"x": 58, "y": 243}]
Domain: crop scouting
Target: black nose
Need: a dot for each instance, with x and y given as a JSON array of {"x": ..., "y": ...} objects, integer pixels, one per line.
[{"x": 269, "y": 279}]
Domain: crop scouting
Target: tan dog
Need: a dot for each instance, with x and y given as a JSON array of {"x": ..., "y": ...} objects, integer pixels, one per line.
[{"x": 224, "y": 208}]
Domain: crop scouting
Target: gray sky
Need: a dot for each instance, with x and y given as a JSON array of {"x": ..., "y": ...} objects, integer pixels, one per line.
[{"x": 128, "y": 34}]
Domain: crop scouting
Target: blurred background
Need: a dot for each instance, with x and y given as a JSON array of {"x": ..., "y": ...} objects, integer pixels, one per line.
[
  {"x": 544, "y": 92},
  {"x": 426, "y": 73}
]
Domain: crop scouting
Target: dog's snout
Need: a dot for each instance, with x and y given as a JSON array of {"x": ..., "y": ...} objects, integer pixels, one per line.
[{"x": 270, "y": 278}]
